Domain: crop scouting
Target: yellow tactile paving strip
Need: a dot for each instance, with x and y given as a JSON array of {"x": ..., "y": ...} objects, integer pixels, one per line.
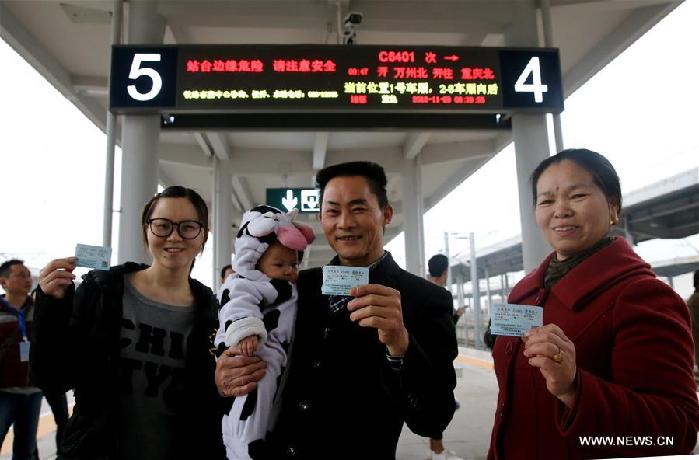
[{"x": 462, "y": 359}]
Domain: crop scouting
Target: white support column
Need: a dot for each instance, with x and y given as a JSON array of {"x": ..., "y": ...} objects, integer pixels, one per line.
[
  {"x": 139, "y": 143},
  {"x": 222, "y": 218},
  {"x": 475, "y": 293},
  {"x": 411, "y": 182},
  {"x": 487, "y": 287},
  {"x": 530, "y": 135},
  {"x": 548, "y": 41},
  {"x": 117, "y": 25},
  {"x": 446, "y": 253}
]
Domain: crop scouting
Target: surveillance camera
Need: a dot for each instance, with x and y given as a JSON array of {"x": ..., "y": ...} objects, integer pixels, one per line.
[{"x": 354, "y": 17}]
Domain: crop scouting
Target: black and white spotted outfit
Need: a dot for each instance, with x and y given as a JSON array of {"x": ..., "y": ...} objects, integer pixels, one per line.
[{"x": 253, "y": 304}]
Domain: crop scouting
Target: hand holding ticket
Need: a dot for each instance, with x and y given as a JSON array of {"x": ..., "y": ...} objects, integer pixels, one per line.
[
  {"x": 93, "y": 256},
  {"x": 515, "y": 320},
  {"x": 338, "y": 280}
]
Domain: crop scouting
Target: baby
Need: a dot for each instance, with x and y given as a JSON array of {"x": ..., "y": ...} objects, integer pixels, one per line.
[{"x": 258, "y": 310}]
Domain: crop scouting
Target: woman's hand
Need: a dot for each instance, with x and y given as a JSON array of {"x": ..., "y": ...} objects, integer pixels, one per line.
[
  {"x": 549, "y": 349},
  {"x": 238, "y": 375},
  {"x": 55, "y": 277}
]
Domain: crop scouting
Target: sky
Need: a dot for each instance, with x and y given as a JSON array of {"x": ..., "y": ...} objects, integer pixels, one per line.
[
  {"x": 630, "y": 112},
  {"x": 52, "y": 158}
]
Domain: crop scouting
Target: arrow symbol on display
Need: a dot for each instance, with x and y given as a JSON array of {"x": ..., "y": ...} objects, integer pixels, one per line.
[
  {"x": 452, "y": 58},
  {"x": 289, "y": 201}
]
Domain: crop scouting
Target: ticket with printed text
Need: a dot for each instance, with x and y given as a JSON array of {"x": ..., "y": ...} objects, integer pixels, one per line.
[
  {"x": 93, "y": 256},
  {"x": 515, "y": 320},
  {"x": 338, "y": 280}
]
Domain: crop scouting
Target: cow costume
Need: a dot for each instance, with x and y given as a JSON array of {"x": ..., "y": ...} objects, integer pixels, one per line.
[{"x": 253, "y": 304}]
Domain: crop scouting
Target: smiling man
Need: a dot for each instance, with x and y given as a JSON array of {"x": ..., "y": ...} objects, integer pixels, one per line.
[{"x": 365, "y": 364}]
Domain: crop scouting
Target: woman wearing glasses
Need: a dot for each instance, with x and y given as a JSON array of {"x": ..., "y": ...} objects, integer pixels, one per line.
[{"x": 134, "y": 342}]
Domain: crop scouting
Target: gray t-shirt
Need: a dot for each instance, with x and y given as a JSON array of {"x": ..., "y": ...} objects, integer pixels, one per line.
[{"x": 153, "y": 346}]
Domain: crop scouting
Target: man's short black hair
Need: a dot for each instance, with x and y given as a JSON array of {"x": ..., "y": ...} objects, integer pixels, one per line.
[
  {"x": 223, "y": 270},
  {"x": 372, "y": 172},
  {"x": 6, "y": 267},
  {"x": 696, "y": 279},
  {"x": 437, "y": 265}
]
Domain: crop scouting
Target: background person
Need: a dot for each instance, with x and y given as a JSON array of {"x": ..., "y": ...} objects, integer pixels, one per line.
[
  {"x": 20, "y": 399},
  {"x": 136, "y": 344},
  {"x": 365, "y": 364},
  {"x": 614, "y": 357},
  {"x": 693, "y": 305},
  {"x": 438, "y": 269},
  {"x": 226, "y": 271}
]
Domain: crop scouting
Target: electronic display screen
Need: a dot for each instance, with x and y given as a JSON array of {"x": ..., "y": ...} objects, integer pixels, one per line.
[{"x": 334, "y": 78}]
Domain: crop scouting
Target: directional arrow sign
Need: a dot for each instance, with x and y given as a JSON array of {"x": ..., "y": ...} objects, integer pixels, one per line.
[
  {"x": 306, "y": 200},
  {"x": 289, "y": 201}
]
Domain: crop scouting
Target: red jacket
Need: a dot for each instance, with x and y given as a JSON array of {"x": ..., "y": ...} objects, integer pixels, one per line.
[{"x": 635, "y": 359}]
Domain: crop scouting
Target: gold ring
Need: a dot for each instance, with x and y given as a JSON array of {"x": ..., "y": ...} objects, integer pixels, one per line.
[{"x": 558, "y": 357}]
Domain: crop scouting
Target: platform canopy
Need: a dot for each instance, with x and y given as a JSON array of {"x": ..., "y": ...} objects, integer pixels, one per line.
[{"x": 69, "y": 43}]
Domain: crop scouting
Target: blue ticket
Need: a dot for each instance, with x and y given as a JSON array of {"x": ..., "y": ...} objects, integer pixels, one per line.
[
  {"x": 515, "y": 320},
  {"x": 338, "y": 280},
  {"x": 93, "y": 256}
]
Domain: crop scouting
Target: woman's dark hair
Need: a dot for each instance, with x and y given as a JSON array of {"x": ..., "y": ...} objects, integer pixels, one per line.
[
  {"x": 603, "y": 173},
  {"x": 177, "y": 191}
]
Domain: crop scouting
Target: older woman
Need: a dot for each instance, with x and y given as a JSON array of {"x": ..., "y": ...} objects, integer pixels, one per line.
[{"x": 610, "y": 372}]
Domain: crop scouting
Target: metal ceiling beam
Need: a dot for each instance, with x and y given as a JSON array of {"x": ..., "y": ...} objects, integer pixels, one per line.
[
  {"x": 451, "y": 151},
  {"x": 611, "y": 46},
  {"x": 320, "y": 150},
  {"x": 164, "y": 179},
  {"x": 19, "y": 38},
  {"x": 454, "y": 180},
  {"x": 204, "y": 144},
  {"x": 90, "y": 84},
  {"x": 455, "y": 16},
  {"x": 220, "y": 145},
  {"x": 184, "y": 155},
  {"x": 242, "y": 191},
  {"x": 414, "y": 143}
]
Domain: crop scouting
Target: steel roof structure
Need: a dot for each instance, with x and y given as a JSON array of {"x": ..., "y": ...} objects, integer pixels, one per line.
[{"x": 69, "y": 42}]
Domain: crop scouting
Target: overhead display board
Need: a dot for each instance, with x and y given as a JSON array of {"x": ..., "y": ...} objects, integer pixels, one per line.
[
  {"x": 333, "y": 78},
  {"x": 286, "y": 199}
]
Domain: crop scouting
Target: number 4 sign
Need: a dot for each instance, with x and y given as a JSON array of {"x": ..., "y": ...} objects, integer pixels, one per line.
[
  {"x": 531, "y": 79},
  {"x": 533, "y": 68}
]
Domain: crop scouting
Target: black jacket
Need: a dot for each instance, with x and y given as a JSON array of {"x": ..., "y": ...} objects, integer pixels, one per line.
[
  {"x": 76, "y": 345},
  {"x": 342, "y": 399}
]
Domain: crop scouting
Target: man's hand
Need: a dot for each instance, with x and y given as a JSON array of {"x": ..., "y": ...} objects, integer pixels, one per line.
[
  {"x": 379, "y": 307},
  {"x": 56, "y": 276},
  {"x": 238, "y": 375}
]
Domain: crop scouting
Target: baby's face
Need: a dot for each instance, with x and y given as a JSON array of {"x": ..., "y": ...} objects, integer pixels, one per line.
[{"x": 279, "y": 262}]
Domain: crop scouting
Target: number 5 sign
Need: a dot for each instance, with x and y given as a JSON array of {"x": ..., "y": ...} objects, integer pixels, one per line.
[
  {"x": 531, "y": 79},
  {"x": 143, "y": 76}
]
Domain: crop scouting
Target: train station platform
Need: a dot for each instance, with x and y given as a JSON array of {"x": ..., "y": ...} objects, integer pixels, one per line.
[{"x": 468, "y": 435}]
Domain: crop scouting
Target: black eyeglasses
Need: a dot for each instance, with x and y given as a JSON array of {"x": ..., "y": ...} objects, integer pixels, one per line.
[{"x": 188, "y": 229}]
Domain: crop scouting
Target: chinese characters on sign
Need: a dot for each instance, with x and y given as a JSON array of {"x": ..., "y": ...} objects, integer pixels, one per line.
[{"x": 205, "y": 78}]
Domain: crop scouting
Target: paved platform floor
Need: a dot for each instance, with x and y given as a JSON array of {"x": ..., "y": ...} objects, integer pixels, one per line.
[{"x": 468, "y": 435}]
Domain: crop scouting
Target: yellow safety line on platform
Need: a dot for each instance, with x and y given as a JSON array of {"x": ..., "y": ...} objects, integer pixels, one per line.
[{"x": 462, "y": 359}]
